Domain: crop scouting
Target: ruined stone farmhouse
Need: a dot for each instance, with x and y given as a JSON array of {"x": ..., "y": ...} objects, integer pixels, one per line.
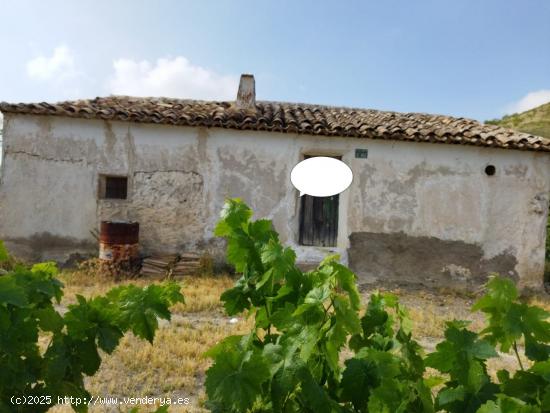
[{"x": 434, "y": 198}]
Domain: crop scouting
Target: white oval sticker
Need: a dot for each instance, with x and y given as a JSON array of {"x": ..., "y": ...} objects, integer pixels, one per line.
[{"x": 321, "y": 176}]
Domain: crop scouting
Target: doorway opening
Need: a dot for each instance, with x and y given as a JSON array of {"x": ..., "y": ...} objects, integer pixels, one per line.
[{"x": 319, "y": 219}]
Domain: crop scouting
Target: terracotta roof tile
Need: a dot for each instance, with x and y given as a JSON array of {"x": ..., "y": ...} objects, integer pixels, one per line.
[{"x": 290, "y": 118}]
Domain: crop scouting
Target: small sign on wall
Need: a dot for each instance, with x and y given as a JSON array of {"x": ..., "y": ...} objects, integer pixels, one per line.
[{"x": 362, "y": 153}]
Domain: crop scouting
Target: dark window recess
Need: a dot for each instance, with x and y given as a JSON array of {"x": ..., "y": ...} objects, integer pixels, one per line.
[
  {"x": 115, "y": 187},
  {"x": 319, "y": 219}
]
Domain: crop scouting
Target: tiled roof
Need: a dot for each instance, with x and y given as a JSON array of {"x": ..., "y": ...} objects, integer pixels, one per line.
[{"x": 290, "y": 118}]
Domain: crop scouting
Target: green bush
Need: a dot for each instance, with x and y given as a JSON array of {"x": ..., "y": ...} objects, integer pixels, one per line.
[
  {"x": 290, "y": 361},
  {"x": 31, "y": 378}
]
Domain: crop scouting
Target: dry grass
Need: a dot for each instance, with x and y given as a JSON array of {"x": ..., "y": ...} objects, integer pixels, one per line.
[
  {"x": 430, "y": 310},
  {"x": 174, "y": 365},
  {"x": 540, "y": 300},
  {"x": 201, "y": 293}
]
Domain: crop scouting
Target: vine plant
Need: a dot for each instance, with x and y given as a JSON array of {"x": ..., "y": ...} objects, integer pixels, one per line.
[
  {"x": 310, "y": 350},
  {"x": 35, "y": 378}
]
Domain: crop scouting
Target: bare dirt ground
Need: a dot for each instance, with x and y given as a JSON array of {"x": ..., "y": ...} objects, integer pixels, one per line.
[{"x": 174, "y": 365}]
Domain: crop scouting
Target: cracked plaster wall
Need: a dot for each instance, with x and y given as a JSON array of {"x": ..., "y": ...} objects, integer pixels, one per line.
[{"x": 179, "y": 177}]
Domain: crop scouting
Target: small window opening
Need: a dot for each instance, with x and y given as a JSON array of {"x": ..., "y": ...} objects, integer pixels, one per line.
[
  {"x": 113, "y": 187},
  {"x": 490, "y": 170}
]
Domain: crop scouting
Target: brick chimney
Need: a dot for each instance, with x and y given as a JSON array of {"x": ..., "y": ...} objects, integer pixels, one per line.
[{"x": 246, "y": 96}]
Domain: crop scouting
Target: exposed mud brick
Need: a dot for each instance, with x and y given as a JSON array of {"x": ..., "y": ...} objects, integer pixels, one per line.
[{"x": 430, "y": 261}]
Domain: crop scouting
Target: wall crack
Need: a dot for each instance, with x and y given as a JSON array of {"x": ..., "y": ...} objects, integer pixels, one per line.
[
  {"x": 36, "y": 155},
  {"x": 194, "y": 173}
]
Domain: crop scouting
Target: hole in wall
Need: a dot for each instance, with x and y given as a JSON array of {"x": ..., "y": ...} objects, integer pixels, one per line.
[{"x": 490, "y": 170}]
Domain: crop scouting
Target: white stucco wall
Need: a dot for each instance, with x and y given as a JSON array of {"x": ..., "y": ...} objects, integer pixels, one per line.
[
  {"x": 1, "y": 126},
  {"x": 179, "y": 177}
]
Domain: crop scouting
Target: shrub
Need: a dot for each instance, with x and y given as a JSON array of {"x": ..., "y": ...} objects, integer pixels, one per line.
[
  {"x": 32, "y": 379},
  {"x": 290, "y": 361}
]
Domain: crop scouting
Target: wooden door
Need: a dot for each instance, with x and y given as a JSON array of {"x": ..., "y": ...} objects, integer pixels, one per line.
[{"x": 319, "y": 220}]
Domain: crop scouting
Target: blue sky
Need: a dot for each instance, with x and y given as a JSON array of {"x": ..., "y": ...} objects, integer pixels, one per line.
[{"x": 472, "y": 58}]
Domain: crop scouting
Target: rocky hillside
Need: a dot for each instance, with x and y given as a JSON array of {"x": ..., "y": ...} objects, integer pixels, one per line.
[{"x": 535, "y": 121}]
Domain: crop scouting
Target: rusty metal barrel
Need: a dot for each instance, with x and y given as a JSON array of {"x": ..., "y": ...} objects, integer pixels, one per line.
[{"x": 119, "y": 242}]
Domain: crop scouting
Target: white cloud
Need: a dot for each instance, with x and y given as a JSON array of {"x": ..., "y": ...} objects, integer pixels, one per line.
[
  {"x": 530, "y": 101},
  {"x": 60, "y": 65},
  {"x": 175, "y": 77}
]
